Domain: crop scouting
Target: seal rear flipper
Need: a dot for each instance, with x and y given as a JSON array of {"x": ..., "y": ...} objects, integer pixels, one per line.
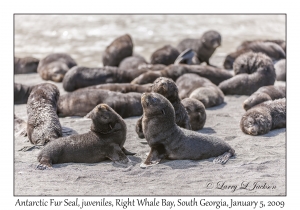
[
  {"x": 154, "y": 157},
  {"x": 126, "y": 152},
  {"x": 222, "y": 159},
  {"x": 117, "y": 156}
]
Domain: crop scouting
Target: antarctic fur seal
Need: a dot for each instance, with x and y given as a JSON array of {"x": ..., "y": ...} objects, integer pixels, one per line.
[
  {"x": 264, "y": 117},
  {"x": 119, "y": 49},
  {"x": 165, "y": 55},
  {"x": 252, "y": 71},
  {"x": 123, "y": 87},
  {"x": 196, "y": 112},
  {"x": 199, "y": 88},
  {"x": 105, "y": 140},
  {"x": 82, "y": 101},
  {"x": 132, "y": 62},
  {"x": 168, "y": 89},
  {"x": 167, "y": 140},
  {"x": 280, "y": 69},
  {"x": 25, "y": 65},
  {"x": 203, "y": 47},
  {"x": 264, "y": 93},
  {"x": 55, "y": 66},
  {"x": 271, "y": 49},
  {"x": 21, "y": 93},
  {"x": 280, "y": 42},
  {"x": 43, "y": 124}
]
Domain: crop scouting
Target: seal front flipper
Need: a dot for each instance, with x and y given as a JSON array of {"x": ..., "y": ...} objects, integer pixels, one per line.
[
  {"x": 185, "y": 57},
  {"x": 154, "y": 157},
  {"x": 116, "y": 154},
  {"x": 139, "y": 128},
  {"x": 126, "y": 152},
  {"x": 222, "y": 159},
  {"x": 45, "y": 163}
]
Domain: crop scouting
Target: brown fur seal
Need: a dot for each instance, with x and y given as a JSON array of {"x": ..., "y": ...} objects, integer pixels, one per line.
[
  {"x": 273, "y": 50},
  {"x": 264, "y": 93},
  {"x": 21, "y": 93},
  {"x": 55, "y": 66},
  {"x": 196, "y": 112},
  {"x": 82, "y": 101},
  {"x": 203, "y": 47},
  {"x": 167, "y": 140},
  {"x": 165, "y": 55},
  {"x": 199, "y": 88},
  {"x": 105, "y": 140},
  {"x": 25, "y": 65},
  {"x": 264, "y": 117},
  {"x": 123, "y": 87},
  {"x": 132, "y": 62},
  {"x": 119, "y": 49},
  {"x": 280, "y": 42},
  {"x": 43, "y": 124},
  {"x": 253, "y": 70},
  {"x": 168, "y": 89},
  {"x": 280, "y": 69},
  {"x": 215, "y": 75}
]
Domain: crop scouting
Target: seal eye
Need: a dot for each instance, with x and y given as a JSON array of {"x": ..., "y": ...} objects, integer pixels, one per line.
[{"x": 163, "y": 112}]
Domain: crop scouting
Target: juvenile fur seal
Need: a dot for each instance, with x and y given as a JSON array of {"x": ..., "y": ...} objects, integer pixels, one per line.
[
  {"x": 167, "y": 140},
  {"x": 43, "y": 124},
  {"x": 215, "y": 75},
  {"x": 264, "y": 93},
  {"x": 273, "y": 50},
  {"x": 55, "y": 66},
  {"x": 280, "y": 69},
  {"x": 280, "y": 42},
  {"x": 124, "y": 87},
  {"x": 196, "y": 112},
  {"x": 264, "y": 117},
  {"x": 21, "y": 93},
  {"x": 199, "y": 88},
  {"x": 203, "y": 47},
  {"x": 25, "y": 65},
  {"x": 132, "y": 62},
  {"x": 82, "y": 101},
  {"x": 105, "y": 140},
  {"x": 165, "y": 55},
  {"x": 119, "y": 49},
  {"x": 253, "y": 70},
  {"x": 168, "y": 89}
]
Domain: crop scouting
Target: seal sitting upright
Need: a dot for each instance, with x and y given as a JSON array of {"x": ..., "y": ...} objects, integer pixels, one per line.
[
  {"x": 105, "y": 140},
  {"x": 167, "y": 140}
]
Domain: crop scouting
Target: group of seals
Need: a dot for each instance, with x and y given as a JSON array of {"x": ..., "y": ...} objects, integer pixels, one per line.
[
  {"x": 264, "y": 117},
  {"x": 252, "y": 71},
  {"x": 25, "y": 65},
  {"x": 43, "y": 124},
  {"x": 119, "y": 49},
  {"x": 199, "y": 88},
  {"x": 105, "y": 140},
  {"x": 168, "y": 89},
  {"x": 82, "y": 101},
  {"x": 203, "y": 47},
  {"x": 55, "y": 66},
  {"x": 271, "y": 49},
  {"x": 167, "y": 140},
  {"x": 264, "y": 93}
]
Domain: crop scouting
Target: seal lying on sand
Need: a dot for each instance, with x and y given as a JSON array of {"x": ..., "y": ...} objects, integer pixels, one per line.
[
  {"x": 167, "y": 140},
  {"x": 43, "y": 124},
  {"x": 168, "y": 89},
  {"x": 25, "y": 65},
  {"x": 264, "y": 93},
  {"x": 132, "y": 62},
  {"x": 203, "y": 47},
  {"x": 273, "y": 50},
  {"x": 280, "y": 69},
  {"x": 119, "y": 49},
  {"x": 196, "y": 112},
  {"x": 21, "y": 93},
  {"x": 215, "y": 75},
  {"x": 199, "y": 88},
  {"x": 253, "y": 70},
  {"x": 165, "y": 55},
  {"x": 55, "y": 66},
  {"x": 105, "y": 140},
  {"x": 123, "y": 87},
  {"x": 82, "y": 101},
  {"x": 280, "y": 42},
  {"x": 264, "y": 117}
]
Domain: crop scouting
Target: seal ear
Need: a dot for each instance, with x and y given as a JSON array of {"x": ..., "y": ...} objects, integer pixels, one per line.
[{"x": 163, "y": 111}]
